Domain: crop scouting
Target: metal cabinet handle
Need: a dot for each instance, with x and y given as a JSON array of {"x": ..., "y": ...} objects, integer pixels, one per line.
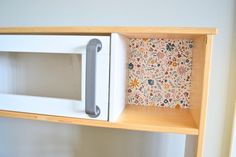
[{"x": 93, "y": 47}]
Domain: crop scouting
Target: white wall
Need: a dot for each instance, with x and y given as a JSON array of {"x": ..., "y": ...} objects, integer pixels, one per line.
[
  {"x": 231, "y": 104},
  {"x": 24, "y": 138},
  {"x": 233, "y": 142}
]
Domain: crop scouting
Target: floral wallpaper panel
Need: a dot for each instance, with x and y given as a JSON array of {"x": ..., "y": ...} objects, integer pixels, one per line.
[{"x": 159, "y": 72}]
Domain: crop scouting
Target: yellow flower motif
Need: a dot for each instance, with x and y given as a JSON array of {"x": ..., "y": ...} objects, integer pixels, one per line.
[
  {"x": 153, "y": 61},
  {"x": 134, "y": 83}
]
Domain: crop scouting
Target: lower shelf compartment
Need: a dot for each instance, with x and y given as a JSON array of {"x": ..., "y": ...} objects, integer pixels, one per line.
[
  {"x": 151, "y": 118},
  {"x": 140, "y": 118}
]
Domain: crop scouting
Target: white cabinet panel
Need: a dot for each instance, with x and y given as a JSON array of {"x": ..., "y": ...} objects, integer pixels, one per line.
[{"x": 46, "y": 74}]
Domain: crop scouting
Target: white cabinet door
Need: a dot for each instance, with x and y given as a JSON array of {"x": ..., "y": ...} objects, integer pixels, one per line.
[{"x": 61, "y": 75}]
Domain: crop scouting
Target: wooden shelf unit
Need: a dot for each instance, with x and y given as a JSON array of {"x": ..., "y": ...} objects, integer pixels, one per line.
[{"x": 146, "y": 118}]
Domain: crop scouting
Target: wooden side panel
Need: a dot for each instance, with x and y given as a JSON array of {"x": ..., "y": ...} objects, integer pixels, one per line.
[
  {"x": 200, "y": 86},
  {"x": 207, "y": 64},
  {"x": 197, "y": 78}
]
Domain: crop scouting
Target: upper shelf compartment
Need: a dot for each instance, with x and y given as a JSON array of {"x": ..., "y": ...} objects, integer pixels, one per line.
[{"x": 159, "y": 70}]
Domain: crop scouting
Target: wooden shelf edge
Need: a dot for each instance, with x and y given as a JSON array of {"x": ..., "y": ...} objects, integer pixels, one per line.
[
  {"x": 106, "y": 30},
  {"x": 97, "y": 123}
]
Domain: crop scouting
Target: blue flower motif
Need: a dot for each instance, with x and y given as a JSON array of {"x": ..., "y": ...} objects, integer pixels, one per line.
[
  {"x": 170, "y": 47},
  {"x": 130, "y": 66},
  {"x": 190, "y": 45},
  {"x": 151, "y": 82},
  {"x": 165, "y": 101}
]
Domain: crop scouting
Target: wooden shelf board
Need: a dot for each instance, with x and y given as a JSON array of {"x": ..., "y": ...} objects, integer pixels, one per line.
[
  {"x": 158, "y": 119},
  {"x": 106, "y": 30},
  {"x": 138, "y": 118}
]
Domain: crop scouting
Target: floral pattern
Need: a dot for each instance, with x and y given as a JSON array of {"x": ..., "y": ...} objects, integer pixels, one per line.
[{"x": 159, "y": 72}]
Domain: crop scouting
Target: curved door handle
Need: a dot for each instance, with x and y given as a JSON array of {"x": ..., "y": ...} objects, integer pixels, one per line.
[{"x": 92, "y": 48}]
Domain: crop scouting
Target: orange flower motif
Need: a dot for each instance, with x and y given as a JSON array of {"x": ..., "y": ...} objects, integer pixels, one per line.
[
  {"x": 134, "y": 83},
  {"x": 142, "y": 50},
  {"x": 174, "y": 64},
  {"x": 177, "y": 106},
  {"x": 166, "y": 86}
]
